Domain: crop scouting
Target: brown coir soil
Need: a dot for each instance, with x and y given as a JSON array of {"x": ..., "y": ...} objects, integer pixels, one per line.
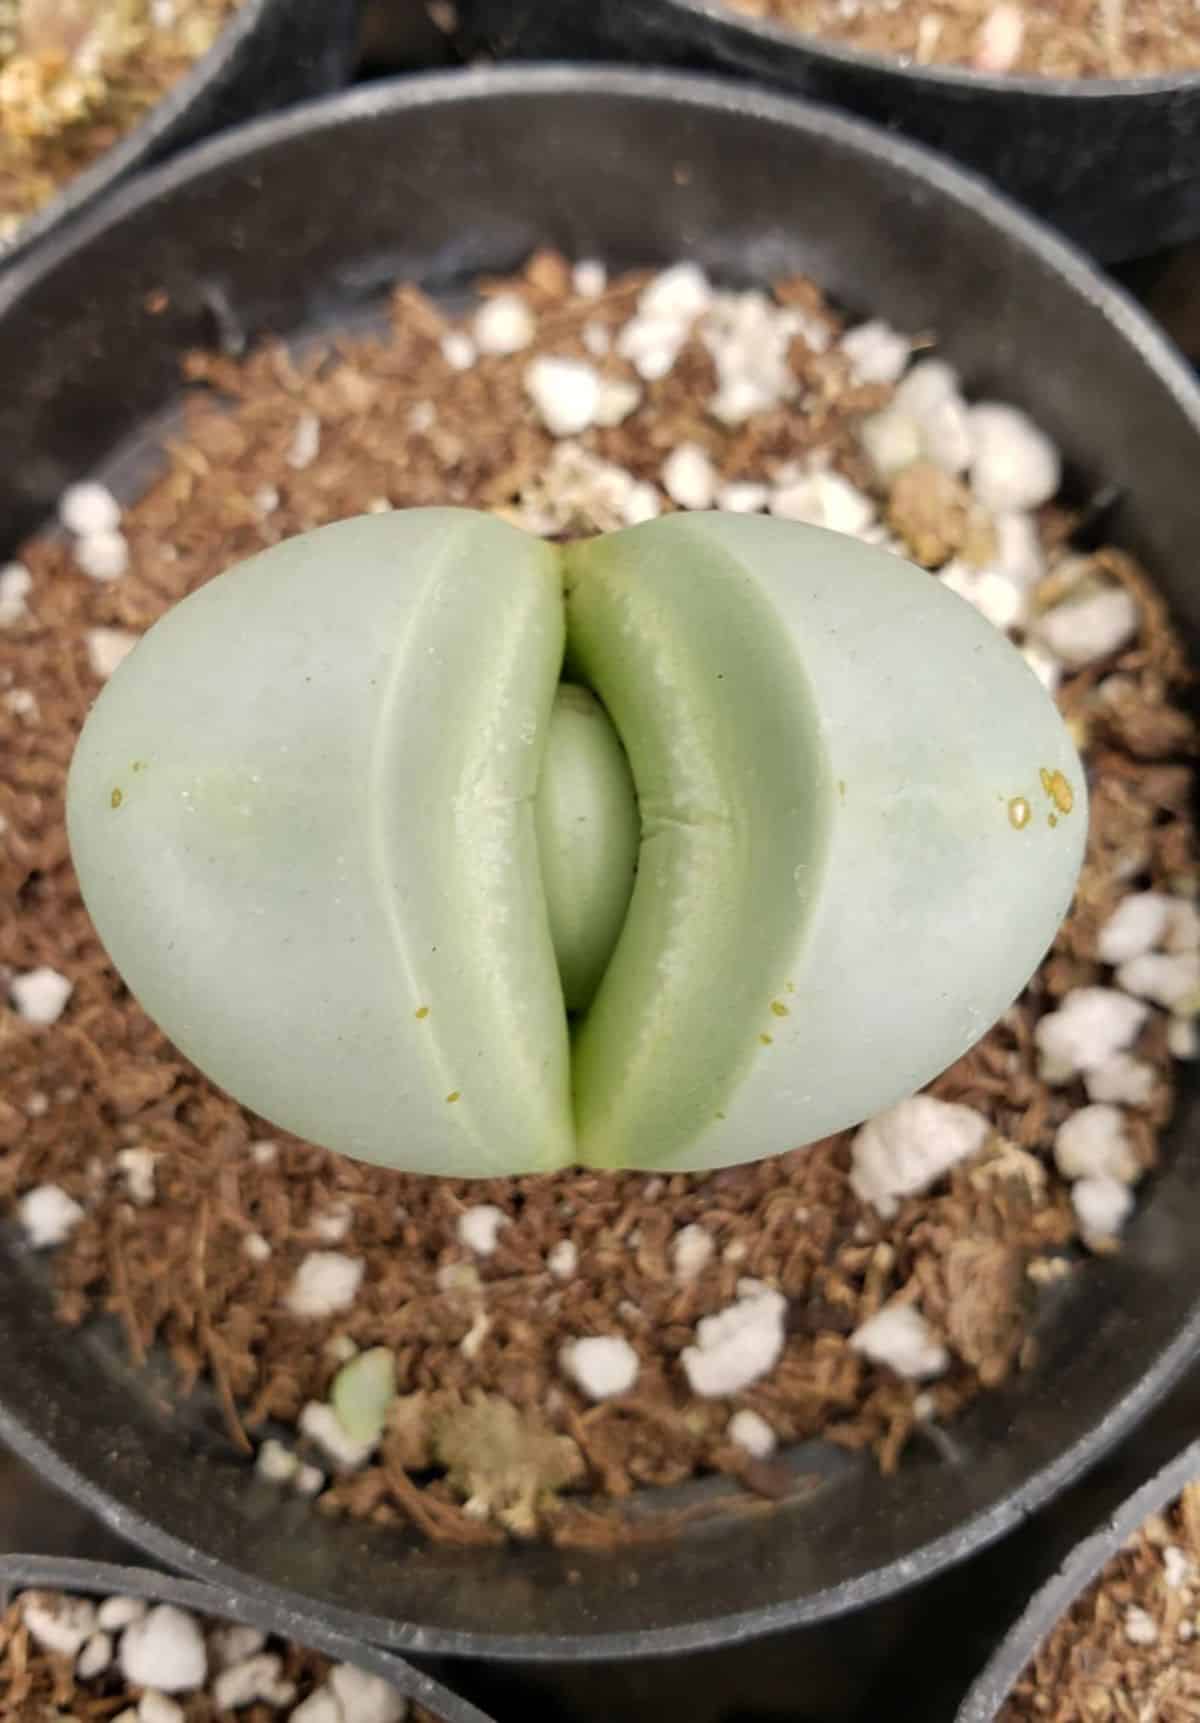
[
  {"x": 1046, "y": 38},
  {"x": 203, "y": 1264}
]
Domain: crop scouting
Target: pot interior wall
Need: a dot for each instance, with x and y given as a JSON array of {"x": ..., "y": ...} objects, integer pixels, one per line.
[{"x": 300, "y": 223}]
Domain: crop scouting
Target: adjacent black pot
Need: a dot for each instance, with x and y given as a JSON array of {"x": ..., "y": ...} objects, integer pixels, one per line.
[
  {"x": 272, "y": 53},
  {"x": 101, "y": 1579},
  {"x": 303, "y": 220},
  {"x": 1113, "y": 163},
  {"x": 1086, "y": 1561}
]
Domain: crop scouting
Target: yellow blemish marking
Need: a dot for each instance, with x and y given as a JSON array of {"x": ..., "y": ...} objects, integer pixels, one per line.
[
  {"x": 1019, "y": 813},
  {"x": 138, "y": 766},
  {"x": 421, "y": 1011},
  {"x": 1053, "y": 820},
  {"x": 454, "y": 1095},
  {"x": 1061, "y": 793},
  {"x": 766, "y": 1040},
  {"x": 779, "y": 1008},
  {"x": 115, "y": 800},
  {"x": 842, "y": 788}
]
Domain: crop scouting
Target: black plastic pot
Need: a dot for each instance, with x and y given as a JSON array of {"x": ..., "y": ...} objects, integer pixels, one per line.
[
  {"x": 271, "y": 53},
  {"x": 1113, "y": 163},
  {"x": 1105, "y": 1536},
  {"x": 303, "y": 221},
  {"x": 101, "y": 1579}
]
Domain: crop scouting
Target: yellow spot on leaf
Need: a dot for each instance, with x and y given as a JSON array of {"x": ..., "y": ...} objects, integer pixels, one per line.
[
  {"x": 766, "y": 1040},
  {"x": 1019, "y": 813},
  {"x": 779, "y": 1008},
  {"x": 421, "y": 1011},
  {"x": 1058, "y": 790},
  {"x": 454, "y": 1095},
  {"x": 116, "y": 799},
  {"x": 1053, "y": 820}
]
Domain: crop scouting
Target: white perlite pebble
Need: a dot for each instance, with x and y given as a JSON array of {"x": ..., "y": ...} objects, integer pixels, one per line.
[
  {"x": 334, "y": 1224},
  {"x": 589, "y": 278},
  {"x": 1140, "y": 1627},
  {"x": 992, "y": 594},
  {"x": 1178, "y": 1570},
  {"x": 1183, "y": 925},
  {"x": 998, "y": 44},
  {"x": 563, "y": 1259},
  {"x": 877, "y": 352},
  {"x": 1136, "y": 926},
  {"x": 319, "y": 1707},
  {"x": 689, "y": 477},
  {"x": 326, "y": 1281},
  {"x": 321, "y": 1424},
  {"x": 1090, "y": 1026},
  {"x": 601, "y": 1365},
  {"x": 165, "y": 1649},
  {"x": 48, "y": 1215},
  {"x": 256, "y": 1247},
  {"x": 234, "y": 1643},
  {"x": 743, "y": 497},
  {"x": 1093, "y": 1143},
  {"x": 89, "y": 508},
  {"x": 107, "y": 648},
  {"x": 1082, "y": 631},
  {"x": 116, "y": 1613},
  {"x": 1183, "y": 1038},
  {"x": 366, "y": 1698},
  {"x": 1019, "y": 552},
  {"x": 59, "y": 1624},
  {"x": 824, "y": 499},
  {"x": 504, "y": 324},
  {"x": 691, "y": 1251},
  {"x": 565, "y": 393},
  {"x": 899, "y": 1338},
  {"x": 616, "y": 398},
  {"x": 137, "y": 1169},
  {"x": 1125, "y": 1081},
  {"x": 102, "y": 555},
  {"x": 155, "y": 1707},
  {"x": 305, "y": 445},
  {"x": 737, "y": 1346},
  {"x": 750, "y": 1431},
  {"x": 40, "y": 995},
  {"x": 275, "y": 1462},
  {"x": 254, "y": 1678},
  {"x": 16, "y": 583},
  {"x": 908, "y": 1147},
  {"x": 458, "y": 350},
  {"x": 891, "y": 441},
  {"x": 931, "y": 399},
  {"x": 95, "y": 1657},
  {"x": 309, "y": 1481},
  {"x": 749, "y": 338},
  {"x": 479, "y": 1227},
  {"x": 1014, "y": 466},
  {"x": 1170, "y": 980},
  {"x": 1102, "y": 1205}
]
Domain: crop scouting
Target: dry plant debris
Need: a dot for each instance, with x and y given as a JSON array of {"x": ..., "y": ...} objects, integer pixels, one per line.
[{"x": 531, "y": 1352}]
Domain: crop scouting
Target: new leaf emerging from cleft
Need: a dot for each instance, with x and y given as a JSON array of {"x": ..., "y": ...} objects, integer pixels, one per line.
[{"x": 466, "y": 854}]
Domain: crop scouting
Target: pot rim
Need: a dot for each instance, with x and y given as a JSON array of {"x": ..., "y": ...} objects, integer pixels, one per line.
[
  {"x": 1052, "y": 1600},
  {"x": 1054, "y": 255},
  {"x": 230, "y": 1603},
  {"x": 946, "y": 80}
]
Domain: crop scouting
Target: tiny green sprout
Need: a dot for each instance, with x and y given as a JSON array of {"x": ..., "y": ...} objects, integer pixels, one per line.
[
  {"x": 469, "y": 854},
  {"x": 362, "y": 1391}
]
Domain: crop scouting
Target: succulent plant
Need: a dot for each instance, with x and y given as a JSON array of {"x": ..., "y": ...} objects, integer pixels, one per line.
[{"x": 470, "y": 854}]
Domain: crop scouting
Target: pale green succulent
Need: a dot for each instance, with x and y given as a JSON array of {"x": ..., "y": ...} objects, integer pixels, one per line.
[{"x": 341, "y": 826}]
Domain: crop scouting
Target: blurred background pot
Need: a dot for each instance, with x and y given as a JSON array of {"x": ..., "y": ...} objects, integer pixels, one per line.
[
  {"x": 1113, "y": 163},
  {"x": 270, "y": 53}
]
